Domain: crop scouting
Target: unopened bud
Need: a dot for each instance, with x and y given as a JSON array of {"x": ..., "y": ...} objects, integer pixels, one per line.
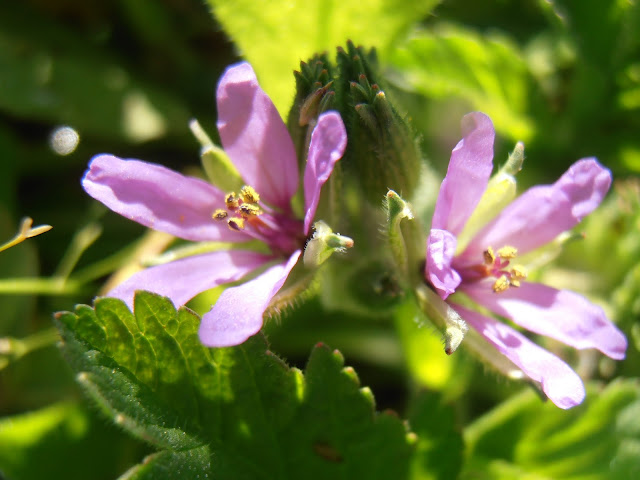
[
  {"x": 382, "y": 151},
  {"x": 314, "y": 95},
  {"x": 314, "y": 105},
  {"x": 397, "y": 210},
  {"x": 323, "y": 244}
]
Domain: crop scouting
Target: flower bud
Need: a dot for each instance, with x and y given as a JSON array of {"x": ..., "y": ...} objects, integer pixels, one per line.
[
  {"x": 397, "y": 210},
  {"x": 314, "y": 95},
  {"x": 382, "y": 151}
]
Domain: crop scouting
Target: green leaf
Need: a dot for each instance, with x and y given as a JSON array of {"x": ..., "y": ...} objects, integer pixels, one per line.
[
  {"x": 440, "y": 445},
  {"x": 275, "y": 36},
  {"x": 236, "y": 413},
  {"x": 524, "y": 438},
  {"x": 487, "y": 71}
]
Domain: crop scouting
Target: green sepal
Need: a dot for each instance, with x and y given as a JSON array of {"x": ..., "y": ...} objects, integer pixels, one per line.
[{"x": 219, "y": 169}]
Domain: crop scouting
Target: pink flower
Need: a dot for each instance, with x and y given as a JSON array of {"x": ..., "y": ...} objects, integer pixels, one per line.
[
  {"x": 485, "y": 269},
  {"x": 258, "y": 143}
]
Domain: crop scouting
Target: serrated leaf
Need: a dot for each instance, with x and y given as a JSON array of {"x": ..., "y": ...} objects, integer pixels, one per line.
[
  {"x": 236, "y": 413},
  {"x": 524, "y": 438},
  {"x": 489, "y": 72},
  {"x": 275, "y": 36}
]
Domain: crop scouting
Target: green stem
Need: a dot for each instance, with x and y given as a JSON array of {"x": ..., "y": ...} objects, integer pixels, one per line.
[
  {"x": 39, "y": 286},
  {"x": 12, "y": 349}
]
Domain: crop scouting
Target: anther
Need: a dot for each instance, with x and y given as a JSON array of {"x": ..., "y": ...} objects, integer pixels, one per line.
[
  {"x": 508, "y": 252},
  {"x": 501, "y": 284},
  {"x": 220, "y": 214},
  {"x": 489, "y": 256},
  {"x": 236, "y": 224},
  {"x": 248, "y": 210},
  {"x": 231, "y": 201},
  {"x": 518, "y": 272},
  {"x": 249, "y": 195}
]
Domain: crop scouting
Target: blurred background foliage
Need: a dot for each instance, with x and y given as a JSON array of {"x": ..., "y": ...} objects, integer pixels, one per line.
[{"x": 563, "y": 76}]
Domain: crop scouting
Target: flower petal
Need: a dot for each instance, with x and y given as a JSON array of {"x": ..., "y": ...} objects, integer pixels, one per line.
[
  {"x": 559, "y": 382},
  {"x": 560, "y": 314},
  {"x": 542, "y": 213},
  {"x": 158, "y": 198},
  {"x": 441, "y": 248},
  {"x": 328, "y": 141},
  {"x": 255, "y": 137},
  {"x": 237, "y": 314},
  {"x": 183, "y": 279},
  {"x": 468, "y": 174}
]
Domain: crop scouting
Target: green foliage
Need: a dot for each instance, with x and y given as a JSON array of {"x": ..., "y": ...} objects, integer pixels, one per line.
[
  {"x": 440, "y": 443},
  {"x": 486, "y": 71},
  {"x": 233, "y": 412},
  {"x": 61, "y": 440},
  {"x": 523, "y": 438},
  {"x": 274, "y": 36},
  {"x": 52, "y": 75}
]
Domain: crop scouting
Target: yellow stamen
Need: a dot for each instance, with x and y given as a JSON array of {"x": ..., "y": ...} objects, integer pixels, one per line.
[
  {"x": 508, "y": 252},
  {"x": 249, "y": 195},
  {"x": 501, "y": 284},
  {"x": 220, "y": 214},
  {"x": 231, "y": 201},
  {"x": 518, "y": 272},
  {"x": 489, "y": 256},
  {"x": 236, "y": 224},
  {"x": 248, "y": 210}
]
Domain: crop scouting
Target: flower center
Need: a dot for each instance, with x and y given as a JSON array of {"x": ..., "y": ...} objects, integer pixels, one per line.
[
  {"x": 240, "y": 209},
  {"x": 498, "y": 265}
]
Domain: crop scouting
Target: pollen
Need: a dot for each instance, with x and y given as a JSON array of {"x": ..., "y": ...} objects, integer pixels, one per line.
[
  {"x": 518, "y": 272},
  {"x": 236, "y": 223},
  {"x": 249, "y": 195},
  {"x": 489, "y": 256},
  {"x": 240, "y": 209},
  {"x": 508, "y": 252},
  {"x": 501, "y": 284},
  {"x": 231, "y": 201},
  {"x": 220, "y": 214},
  {"x": 497, "y": 264},
  {"x": 249, "y": 210}
]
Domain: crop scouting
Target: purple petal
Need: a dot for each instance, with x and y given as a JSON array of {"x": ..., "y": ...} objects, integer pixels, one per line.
[
  {"x": 255, "y": 137},
  {"x": 328, "y": 141},
  {"x": 158, "y": 198},
  {"x": 183, "y": 279},
  {"x": 560, "y": 314},
  {"x": 468, "y": 174},
  {"x": 559, "y": 382},
  {"x": 542, "y": 213},
  {"x": 237, "y": 314},
  {"x": 441, "y": 248}
]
